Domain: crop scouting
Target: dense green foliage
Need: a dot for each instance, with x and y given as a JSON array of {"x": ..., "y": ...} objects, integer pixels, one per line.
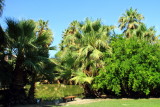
[{"x": 133, "y": 66}]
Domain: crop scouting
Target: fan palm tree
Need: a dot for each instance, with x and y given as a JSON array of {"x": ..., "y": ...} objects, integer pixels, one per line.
[
  {"x": 5, "y": 67},
  {"x": 30, "y": 42},
  {"x": 88, "y": 40},
  {"x": 37, "y": 60},
  {"x": 145, "y": 33},
  {"x": 68, "y": 53},
  {"x": 21, "y": 41},
  {"x": 94, "y": 41},
  {"x": 1, "y": 6},
  {"x": 38, "y": 66},
  {"x": 21, "y": 37},
  {"x": 130, "y": 21}
]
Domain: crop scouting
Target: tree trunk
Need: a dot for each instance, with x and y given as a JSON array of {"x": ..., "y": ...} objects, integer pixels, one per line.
[
  {"x": 31, "y": 94},
  {"x": 18, "y": 95},
  {"x": 88, "y": 92}
]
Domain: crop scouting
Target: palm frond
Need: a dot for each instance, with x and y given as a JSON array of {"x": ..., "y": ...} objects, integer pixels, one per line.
[
  {"x": 96, "y": 55},
  {"x": 1, "y": 6},
  {"x": 82, "y": 78}
]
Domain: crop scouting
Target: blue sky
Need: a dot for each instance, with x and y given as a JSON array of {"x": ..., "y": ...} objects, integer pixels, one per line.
[{"x": 61, "y": 12}]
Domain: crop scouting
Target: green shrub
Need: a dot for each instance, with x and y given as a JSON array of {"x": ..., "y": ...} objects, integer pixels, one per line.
[{"x": 133, "y": 66}]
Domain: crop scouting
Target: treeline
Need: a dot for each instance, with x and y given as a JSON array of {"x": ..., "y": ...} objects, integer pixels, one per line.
[
  {"x": 91, "y": 54},
  {"x": 103, "y": 62}
]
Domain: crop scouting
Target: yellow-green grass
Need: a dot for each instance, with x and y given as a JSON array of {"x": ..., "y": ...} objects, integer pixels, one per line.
[
  {"x": 122, "y": 103},
  {"x": 55, "y": 91}
]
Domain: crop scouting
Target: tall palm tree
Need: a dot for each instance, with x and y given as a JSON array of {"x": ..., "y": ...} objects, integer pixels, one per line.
[
  {"x": 130, "y": 21},
  {"x": 37, "y": 66},
  {"x": 1, "y": 6},
  {"x": 30, "y": 42},
  {"x": 21, "y": 38},
  {"x": 68, "y": 53},
  {"x": 37, "y": 59},
  {"x": 5, "y": 67},
  {"x": 94, "y": 41}
]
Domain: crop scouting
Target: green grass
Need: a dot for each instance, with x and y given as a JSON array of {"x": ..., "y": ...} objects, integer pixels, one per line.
[
  {"x": 55, "y": 91},
  {"x": 123, "y": 103}
]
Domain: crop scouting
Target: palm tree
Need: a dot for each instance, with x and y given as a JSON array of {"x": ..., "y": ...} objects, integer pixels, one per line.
[
  {"x": 94, "y": 41},
  {"x": 30, "y": 42},
  {"x": 5, "y": 67},
  {"x": 37, "y": 60},
  {"x": 21, "y": 38},
  {"x": 145, "y": 33},
  {"x": 130, "y": 21},
  {"x": 1, "y": 6},
  {"x": 68, "y": 53},
  {"x": 37, "y": 66}
]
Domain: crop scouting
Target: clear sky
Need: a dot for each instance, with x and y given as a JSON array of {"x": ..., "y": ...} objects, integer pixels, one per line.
[{"x": 61, "y": 12}]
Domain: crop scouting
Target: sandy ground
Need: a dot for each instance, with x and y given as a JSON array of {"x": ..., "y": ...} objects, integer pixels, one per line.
[{"x": 81, "y": 101}]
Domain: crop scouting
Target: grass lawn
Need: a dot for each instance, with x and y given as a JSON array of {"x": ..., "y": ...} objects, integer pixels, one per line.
[
  {"x": 55, "y": 91},
  {"x": 122, "y": 103}
]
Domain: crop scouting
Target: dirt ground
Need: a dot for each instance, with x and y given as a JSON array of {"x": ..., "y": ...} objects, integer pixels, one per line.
[{"x": 81, "y": 101}]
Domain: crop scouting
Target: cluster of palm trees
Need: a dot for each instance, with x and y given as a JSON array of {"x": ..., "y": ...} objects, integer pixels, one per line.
[
  {"x": 84, "y": 44},
  {"x": 82, "y": 48}
]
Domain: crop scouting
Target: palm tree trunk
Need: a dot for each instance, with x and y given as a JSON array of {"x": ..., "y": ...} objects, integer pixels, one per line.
[
  {"x": 88, "y": 92},
  {"x": 18, "y": 95},
  {"x": 31, "y": 94}
]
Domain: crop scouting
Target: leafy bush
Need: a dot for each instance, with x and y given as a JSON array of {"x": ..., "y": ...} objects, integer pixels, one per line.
[{"x": 133, "y": 66}]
